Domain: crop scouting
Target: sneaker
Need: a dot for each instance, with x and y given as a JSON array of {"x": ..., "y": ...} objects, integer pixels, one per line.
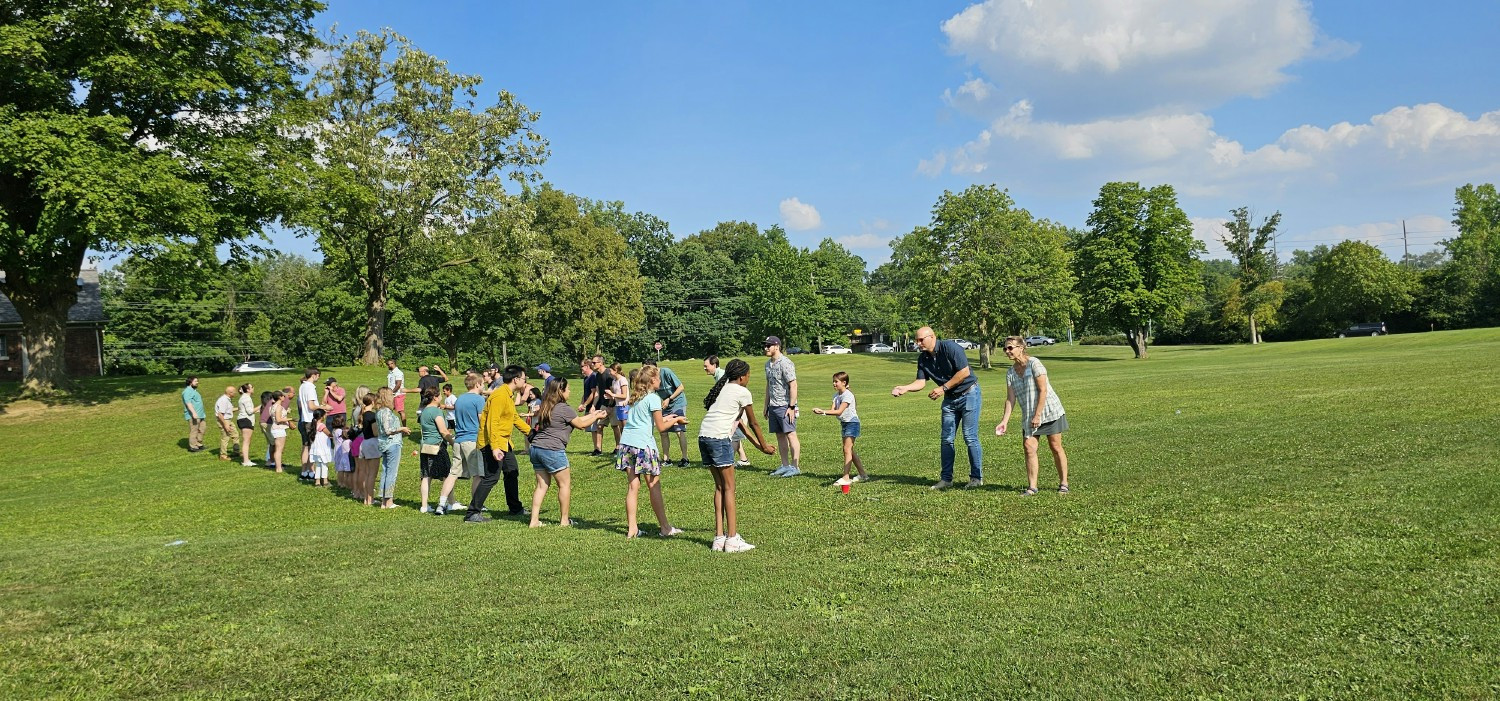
[
  {"x": 861, "y": 478},
  {"x": 736, "y": 544},
  {"x": 842, "y": 481},
  {"x": 596, "y": 453},
  {"x": 718, "y": 546},
  {"x": 440, "y": 511},
  {"x": 673, "y": 531},
  {"x": 975, "y": 483},
  {"x": 1029, "y": 492},
  {"x": 424, "y": 509},
  {"x": 683, "y": 462},
  {"x": 477, "y": 518},
  {"x": 247, "y": 464},
  {"x": 742, "y": 463},
  {"x": 521, "y": 512},
  {"x": 456, "y": 506},
  {"x": 791, "y": 472},
  {"x": 941, "y": 485},
  {"x": 780, "y": 470}
]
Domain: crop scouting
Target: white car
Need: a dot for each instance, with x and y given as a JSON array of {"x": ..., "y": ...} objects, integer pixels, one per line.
[
  {"x": 881, "y": 348},
  {"x": 835, "y": 349},
  {"x": 966, "y": 345},
  {"x": 259, "y": 366},
  {"x": 1040, "y": 340}
]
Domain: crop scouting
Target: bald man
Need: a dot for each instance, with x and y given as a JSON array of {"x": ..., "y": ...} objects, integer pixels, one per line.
[
  {"x": 945, "y": 363},
  {"x": 224, "y": 412}
]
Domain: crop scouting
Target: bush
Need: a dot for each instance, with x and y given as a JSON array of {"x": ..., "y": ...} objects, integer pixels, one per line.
[{"x": 1104, "y": 340}]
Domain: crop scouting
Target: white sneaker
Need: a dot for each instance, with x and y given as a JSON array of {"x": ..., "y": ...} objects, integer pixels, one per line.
[
  {"x": 673, "y": 532},
  {"x": 425, "y": 509},
  {"x": 842, "y": 481},
  {"x": 719, "y": 543},
  {"x": 742, "y": 463},
  {"x": 736, "y": 544},
  {"x": 456, "y": 506},
  {"x": 861, "y": 478}
]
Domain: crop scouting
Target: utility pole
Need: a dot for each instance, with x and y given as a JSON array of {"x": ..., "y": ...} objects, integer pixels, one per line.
[{"x": 1405, "y": 250}]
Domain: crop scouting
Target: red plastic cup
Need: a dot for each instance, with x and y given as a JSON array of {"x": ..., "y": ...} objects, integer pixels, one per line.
[{"x": 845, "y": 487}]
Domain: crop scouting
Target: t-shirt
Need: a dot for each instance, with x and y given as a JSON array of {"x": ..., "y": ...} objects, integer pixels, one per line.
[
  {"x": 224, "y": 408},
  {"x": 394, "y": 378},
  {"x": 718, "y": 374},
  {"x": 367, "y": 424},
  {"x": 622, "y": 386},
  {"x": 466, "y": 417},
  {"x": 721, "y": 418},
  {"x": 847, "y": 399},
  {"x": 669, "y": 384},
  {"x": 600, "y": 380},
  {"x": 558, "y": 430},
  {"x": 427, "y": 382},
  {"x": 780, "y": 373},
  {"x": 448, "y": 404},
  {"x": 335, "y": 401},
  {"x": 247, "y": 407},
  {"x": 307, "y": 394},
  {"x": 942, "y": 364},
  {"x": 428, "y": 419},
  {"x": 190, "y": 397},
  {"x": 639, "y": 426}
]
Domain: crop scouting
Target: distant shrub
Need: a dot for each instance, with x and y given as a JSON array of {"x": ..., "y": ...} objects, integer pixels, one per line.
[{"x": 1104, "y": 340}]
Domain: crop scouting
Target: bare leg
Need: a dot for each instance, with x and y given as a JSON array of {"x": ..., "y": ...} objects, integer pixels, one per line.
[
  {"x": 426, "y": 484},
  {"x": 632, "y": 488},
  {"x": 1059, "y": 457},
  {"x": 665, "y": 441},
  {"x": 783, "y": 449},
  {"x": 1029, "y": 445},
  {"x": 718, "y": 501},
  {"x": 448, "y": 483},
  {"x": 564, "y": 496},
  {"x": 848, "y": 455},
  {"x": 543, "y": 480},
  {"x": 791, "y": 438},
  {"x": 731, "y": 525},
  {"x": 854, "y": 455},
  {"x": 276, "y": 453},
  {"x": 682, "y": 443},
  {"x": 653, "y": 483},
  {"x": 245, "y": 435},
  {"x": 617, "y": 426}
]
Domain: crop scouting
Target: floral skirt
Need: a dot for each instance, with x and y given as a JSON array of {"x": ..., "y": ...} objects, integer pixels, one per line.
[{"x": 645, "y": 461}]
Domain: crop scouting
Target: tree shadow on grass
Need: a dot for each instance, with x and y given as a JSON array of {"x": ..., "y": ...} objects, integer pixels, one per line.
[{"x": 98, "y": 390}]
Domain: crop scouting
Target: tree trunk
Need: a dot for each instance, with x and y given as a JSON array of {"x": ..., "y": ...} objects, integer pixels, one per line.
[
  {"x": 1254, "y": 335},
  {"x": 374, "y": 324},
  {"x": 1138, "y": 342},
  {"x": 452, "y": 349},
  {"x": 44, "y": 332},
  {"x": 984, "y": 354}
]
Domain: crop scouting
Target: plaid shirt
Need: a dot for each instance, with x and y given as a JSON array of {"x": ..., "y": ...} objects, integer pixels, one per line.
[{"x": 1023, "y": 385}]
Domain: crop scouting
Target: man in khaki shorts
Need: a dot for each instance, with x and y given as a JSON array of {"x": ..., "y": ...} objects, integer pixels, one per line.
[{"x": 470, "y": 462}]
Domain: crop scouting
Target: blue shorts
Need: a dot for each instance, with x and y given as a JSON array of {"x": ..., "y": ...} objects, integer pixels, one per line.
[
  {"x": 716, "y": 452},
  {"x": 679, "y": 428},
  {"x": 622, "y": 412},
  {"x": 851, "y": 429},
  {"x": 548, "y": 461},
  {"x": 782, "y": 420}
]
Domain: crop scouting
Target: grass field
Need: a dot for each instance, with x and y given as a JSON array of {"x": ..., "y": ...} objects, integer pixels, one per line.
[{"x": 1300, "y": 520}]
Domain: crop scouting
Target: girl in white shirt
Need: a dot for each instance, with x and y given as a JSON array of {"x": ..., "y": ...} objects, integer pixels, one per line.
[
  {"x": 726, "y": 404},
  {"x": 843, "y": 407}
]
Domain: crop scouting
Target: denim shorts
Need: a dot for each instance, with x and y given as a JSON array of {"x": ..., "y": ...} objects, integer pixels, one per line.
[
  {"x": 717, "y": 452},
  {"x": 851, "y": 429},
  {"x": 548, "y": 461}
]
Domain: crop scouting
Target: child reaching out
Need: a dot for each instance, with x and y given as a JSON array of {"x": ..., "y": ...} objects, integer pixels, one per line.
[
  {"x": 843, "y": 407},
  {"x": 638, "y": 457},
  {"x": 727, "y": 404},
  {"x": 321, "y": 452}
]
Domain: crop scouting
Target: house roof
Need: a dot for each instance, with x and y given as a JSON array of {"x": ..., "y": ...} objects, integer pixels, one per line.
[{"x": 88, "y": 310}]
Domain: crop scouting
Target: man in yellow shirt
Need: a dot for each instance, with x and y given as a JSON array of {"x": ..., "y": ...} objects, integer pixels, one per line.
[{"x": 497, "y": 423}]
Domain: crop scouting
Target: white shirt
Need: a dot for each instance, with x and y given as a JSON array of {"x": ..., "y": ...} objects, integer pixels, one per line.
[
  {"x": 247, "y": 408},
  {"x": 224, "y": 408},
  {"x": 393, "y": 377},
  {"x": 307, "y": 395},
  {"x": 722, "y": 417},
  {"x": 847, "y": 399}
]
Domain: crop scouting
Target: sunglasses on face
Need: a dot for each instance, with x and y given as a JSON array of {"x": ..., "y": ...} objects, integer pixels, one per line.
[{"x": 1010, "y": 348}]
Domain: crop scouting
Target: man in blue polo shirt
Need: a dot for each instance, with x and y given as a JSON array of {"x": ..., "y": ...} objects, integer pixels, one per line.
[{"x": 945, "y": 363}]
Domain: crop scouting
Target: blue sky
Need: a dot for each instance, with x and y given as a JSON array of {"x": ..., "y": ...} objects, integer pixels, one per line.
[{"x": 847, "y": 120}]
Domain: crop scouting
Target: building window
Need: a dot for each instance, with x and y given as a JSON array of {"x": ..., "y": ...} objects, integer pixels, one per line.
[{"x": 4, "y": 346}]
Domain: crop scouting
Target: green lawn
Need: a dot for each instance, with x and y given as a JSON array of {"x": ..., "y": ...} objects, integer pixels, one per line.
[{"x": 1306, "y": 520}]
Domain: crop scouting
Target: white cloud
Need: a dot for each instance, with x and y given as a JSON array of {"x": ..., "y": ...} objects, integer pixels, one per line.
[
  {"x": 1208, "y": 230},
  {"x": 864, "y": 241},
  {"x": 1083, "y": 59},
  {"x": 799, "y": 216}
]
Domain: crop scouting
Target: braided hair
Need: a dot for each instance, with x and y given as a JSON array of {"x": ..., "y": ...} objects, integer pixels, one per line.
[{"x": 733, "y": 371}]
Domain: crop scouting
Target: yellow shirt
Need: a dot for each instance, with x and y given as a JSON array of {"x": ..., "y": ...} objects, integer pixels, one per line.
[{"x": 499, "y": 419}]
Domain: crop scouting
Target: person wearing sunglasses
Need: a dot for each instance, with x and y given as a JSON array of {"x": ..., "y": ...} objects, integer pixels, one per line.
[
  {"x": 945, "y": 363},
  {"x": 1041, "y": 412}
]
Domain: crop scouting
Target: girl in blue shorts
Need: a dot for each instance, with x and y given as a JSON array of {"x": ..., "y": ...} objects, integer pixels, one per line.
[{"x": 843, "y": 407}]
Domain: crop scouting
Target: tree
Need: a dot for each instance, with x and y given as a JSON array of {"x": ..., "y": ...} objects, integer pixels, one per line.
[
  {"x": 407, "y": 162},
  {"x": 1137, "y": 262},
  {"x": 1356, "y": 283},
  {"x": 129, "y": 126},
  {"x": 1476, "y": 252},
  {"x": 781, "y": 295},
  {"x": 839, "y": 278},
  {"x": 1251, "y": 247},
  {"x": 593, "y": 289}
]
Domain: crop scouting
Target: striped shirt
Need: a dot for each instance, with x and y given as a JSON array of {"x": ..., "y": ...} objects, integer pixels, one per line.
[{"x": 1023, "y": 385}]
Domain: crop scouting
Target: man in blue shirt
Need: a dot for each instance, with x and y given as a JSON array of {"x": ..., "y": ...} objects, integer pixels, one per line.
[
  {"x": 674, "y": 403},
  {"x": 470, "y": 463},
  {"x": 945, "y": 363},
  {"x": 192, "y": 410}
]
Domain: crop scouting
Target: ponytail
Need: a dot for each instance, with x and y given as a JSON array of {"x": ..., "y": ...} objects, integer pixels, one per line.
[{"x": 733, "y": 371}]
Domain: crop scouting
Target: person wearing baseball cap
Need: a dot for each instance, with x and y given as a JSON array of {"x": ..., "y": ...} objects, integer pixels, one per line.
[
  {"x": 546, "y": 372},
  {"x": 781, "y": 408}
]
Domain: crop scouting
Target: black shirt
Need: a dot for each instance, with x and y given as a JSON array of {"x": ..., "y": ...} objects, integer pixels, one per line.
[
  {"x": 367, "y": 424},
  {"x": 428, "y": 381},
  {"x": 600, "y": 381},
  {"x": 942, "y": 364}
]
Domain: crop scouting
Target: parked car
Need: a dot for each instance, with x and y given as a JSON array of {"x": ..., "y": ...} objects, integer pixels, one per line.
[
  {"x": 835, "y": 349},
  {"x": 795, "y": 351},
  {"x": 881, "y": 348},
  {"x": 966, "y": 345},
  {"x": 1374, "y": 328},
  {"x": 259, "y": 366},
  {"x": 1040, "y": 340}
]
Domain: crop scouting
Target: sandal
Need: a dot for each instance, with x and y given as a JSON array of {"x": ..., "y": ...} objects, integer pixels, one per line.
[
  {"x": 1029, "y": 492},
  {"x": 1062, "y": 489}
]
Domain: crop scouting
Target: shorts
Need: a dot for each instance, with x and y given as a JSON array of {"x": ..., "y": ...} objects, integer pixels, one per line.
[
  {"x": 621, "y": 412},
  {"x": 370, "y": 449},
  {"x": 644, "y": 461},
  {"x": 679, "y": 428},
  {"x": 716, "y": 452},
  {"x": 851, "y": 429},
  {"x": 436, "y": 466},
  {"x": 278, "y": 431},
  {"x": 399, "y": 403},
  {"x": 244, "y": 424},
  {"x": 1051, "y": 428},
  {"x": 782, "y": 420},
  {"x": 549, "y": 461},
  {"x": 470, "y": 460},
  {"x": 307, "y": 430}
]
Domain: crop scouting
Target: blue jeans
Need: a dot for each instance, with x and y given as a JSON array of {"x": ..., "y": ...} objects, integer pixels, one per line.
[
  {"x": 963, "y": 410},
  {"x": 390, "y": 460}
]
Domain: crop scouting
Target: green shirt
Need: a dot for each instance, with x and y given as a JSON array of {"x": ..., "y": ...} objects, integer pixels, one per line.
[
  {"x": 191, "y": 398},
  {"x": 428, "y": 418}
]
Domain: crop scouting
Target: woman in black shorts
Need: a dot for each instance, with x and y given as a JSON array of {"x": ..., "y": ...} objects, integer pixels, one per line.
[{"x": 245, "y": 420}]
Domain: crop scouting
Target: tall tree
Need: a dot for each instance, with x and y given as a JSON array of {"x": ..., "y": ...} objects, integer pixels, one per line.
[
  {"x": 986, "y": 268},
  {"x": 406, "y": 160},
  {"x": 840, "y": 280},
  {"x": 781, "y": 295},
  {"x": 594, "y": 289},
  {"x": 1137, "y": 263},
  {"x": 1251, "y": 247},
  {"x": 1356, "y": 283},
  {"x": 131, "y": 125},
  {"x": 1476, "y": 251}
]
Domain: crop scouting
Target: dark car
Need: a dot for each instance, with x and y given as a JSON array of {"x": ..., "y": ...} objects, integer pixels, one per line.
[
  {"x": 795, "y": 351},
  {"x": 1374, "y": 328}
]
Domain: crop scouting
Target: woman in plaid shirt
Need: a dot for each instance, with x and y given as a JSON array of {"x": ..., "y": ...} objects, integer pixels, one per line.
[{"x": 1041, "y": 412}]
